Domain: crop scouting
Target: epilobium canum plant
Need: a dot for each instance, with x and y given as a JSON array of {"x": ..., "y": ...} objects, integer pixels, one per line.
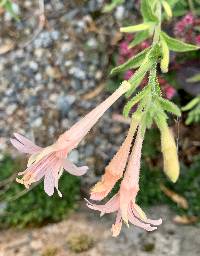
[{"x": 150, "y": 107}]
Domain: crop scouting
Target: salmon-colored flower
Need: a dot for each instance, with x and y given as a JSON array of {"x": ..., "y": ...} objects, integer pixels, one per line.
[
  {"x": 49, "y": 162},
  {"x": 124, "y": 201},
  {"x": 114, "y": 171}
]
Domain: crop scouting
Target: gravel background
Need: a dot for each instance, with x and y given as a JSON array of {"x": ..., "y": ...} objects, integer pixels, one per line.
[{"x": 48, "y": 83}]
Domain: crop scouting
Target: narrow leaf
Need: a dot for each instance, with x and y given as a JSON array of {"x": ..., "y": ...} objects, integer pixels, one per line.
[
  {"x": 140, "y": 37},
  {"x": 147, "y": 11},
  {"x": 136, "y": 28},
  {"x": 169, "y": 106},
  {"x": 132, "y": 63},
  {"x": 134, "y": 101},
  {"x": 193, "y": 79},
  {"x": 191, "y": 104},
  {"x": 177, "y": 45}
]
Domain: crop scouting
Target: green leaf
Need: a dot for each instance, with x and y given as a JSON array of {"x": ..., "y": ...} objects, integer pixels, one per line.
[
  {"x": 169, "y": 106},
  {"x": 172, "y": 3},
  {"x": 8, "y": 6},
  {"x": 135, "y": 100},
  {"x": 164, "y": 64},
  {"x": 193, "y": 79},
  {"x": 136, "y": 28},
  {"x": 147, "y": 11},
  {"x": 191, "y": 104},
  {"x": 2, "y": 3},
  {"x": 146, "y": 65},
  {"x": 177, "y": 45},
  {"x": 112, "y": 5},
  {"x": 132, "y": 63},
  {"x": 167, "y": 8},
  {"x": 139, "y": 37}
]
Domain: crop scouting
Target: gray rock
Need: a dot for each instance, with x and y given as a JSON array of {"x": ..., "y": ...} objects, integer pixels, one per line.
[{"x": 64, "y": 103}]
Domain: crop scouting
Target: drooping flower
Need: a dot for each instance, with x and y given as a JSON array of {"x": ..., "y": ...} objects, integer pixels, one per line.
[
  {"x": 123, "y": 203},
  {"x": 114, "y": 170},
  {"x": 50, "y": 162}
]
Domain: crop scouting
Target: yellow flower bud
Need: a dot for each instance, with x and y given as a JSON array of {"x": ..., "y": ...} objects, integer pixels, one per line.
[{"x": 168, "y": 146}]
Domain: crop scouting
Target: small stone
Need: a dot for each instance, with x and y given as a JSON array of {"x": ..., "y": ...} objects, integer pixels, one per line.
[
  {"x": 37, "y": 122},
  {"x": 119, "y": 14},
  {"x": 78, "y": 73},
  {"x": 53, "y": 72},
  {"x": 36, "y": 244},
  {"x": 38, "y": 52},
  {"x": 74, "y": 156},
  {"x": 33, "y": 65},
  {"x": 64, "y": 103},
  {"x": 55, "y": 35},
  {"x": 92, "y": 43},
  {"x": 11, "y": 109}
]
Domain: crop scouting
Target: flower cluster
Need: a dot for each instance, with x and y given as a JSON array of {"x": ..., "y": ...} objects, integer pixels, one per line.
[
  {"x": 124, "y": 165},
  {"x": 186, "y": 28},
  {"x": 126, "y": 52}
]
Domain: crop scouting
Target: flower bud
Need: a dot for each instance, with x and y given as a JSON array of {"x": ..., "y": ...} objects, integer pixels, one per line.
[{"x": 171, "y": 163}]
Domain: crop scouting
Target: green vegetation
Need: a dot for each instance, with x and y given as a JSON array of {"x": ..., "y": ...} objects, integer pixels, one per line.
[
  {"x": 80, "y": 243},
  {"x": 35, "y": 207}
]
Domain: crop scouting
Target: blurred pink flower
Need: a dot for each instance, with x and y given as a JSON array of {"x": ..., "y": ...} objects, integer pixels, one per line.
[
  {"x": 179, "y": 27},
  {"x": 124, "y": 201},
  {"x": 197, "y": 39},
  {"x": 144, "y": 45},
  {"x": 128, "y": 74},
  {"x": 188, "y": 19},
  {"x": 169, "y": 91},
  {"x": 49, "y": 162},
  {"x": 123, "y": 48}
]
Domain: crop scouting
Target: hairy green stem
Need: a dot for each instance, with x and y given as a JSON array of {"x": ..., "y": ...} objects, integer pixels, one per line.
[
  {"x": 191, "y": 5},
  {"x": 157, "y": 31}
]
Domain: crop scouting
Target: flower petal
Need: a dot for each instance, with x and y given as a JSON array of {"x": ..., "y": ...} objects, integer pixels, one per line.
[
  {"x": 116, "y": 228},
  {"x": 139, "y": 213},
  {"x": 73, "y": 169},
  {"x": 111, "y": 206},
  {"x": 26, "y": 141},
  {"x": 139, "y": 223},
  {"x": 49, "y": 182}
]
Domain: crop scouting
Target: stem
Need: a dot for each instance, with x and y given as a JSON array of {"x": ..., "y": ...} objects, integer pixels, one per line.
[
  {"x": 158, "y": 27},
  {"x": 191, "y": 5},
  {"x": 152, "y": 78}
]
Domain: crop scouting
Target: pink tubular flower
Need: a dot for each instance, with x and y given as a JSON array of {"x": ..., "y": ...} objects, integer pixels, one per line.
[
  {"x": 124, "y": 201},
  {"x": 116, "y": 167},
  {"x": 49, "y": 162}
]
